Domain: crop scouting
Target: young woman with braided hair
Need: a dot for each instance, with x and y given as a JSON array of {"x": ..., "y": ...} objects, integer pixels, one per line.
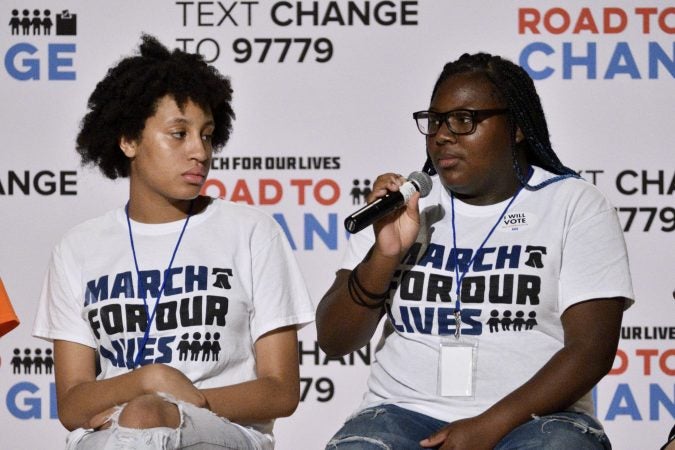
[{"x": 502, "y": 290}]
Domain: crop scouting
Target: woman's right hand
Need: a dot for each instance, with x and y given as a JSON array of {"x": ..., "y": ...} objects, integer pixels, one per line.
[
  {"x": 156, "y": 378},
  {"x": 396, "y": 232}
]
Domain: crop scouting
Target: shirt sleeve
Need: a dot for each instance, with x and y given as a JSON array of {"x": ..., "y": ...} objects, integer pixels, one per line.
[
  {"x": 595, "y": 259},
  {"x": 280, "y": 297},
  {"x": 60, "y": 313}
]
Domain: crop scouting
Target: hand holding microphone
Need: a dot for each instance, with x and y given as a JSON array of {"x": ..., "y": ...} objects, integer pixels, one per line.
[{"x": 391, "y": 201}]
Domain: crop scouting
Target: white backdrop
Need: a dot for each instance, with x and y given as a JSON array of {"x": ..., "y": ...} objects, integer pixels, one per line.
[{"x": 329, "y": 120}]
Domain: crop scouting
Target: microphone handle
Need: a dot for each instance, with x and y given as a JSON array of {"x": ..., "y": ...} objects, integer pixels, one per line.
[{"x": 373, "y": 212}]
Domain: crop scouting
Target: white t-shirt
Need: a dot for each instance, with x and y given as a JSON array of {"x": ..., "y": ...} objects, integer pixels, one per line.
[
  {"x": 233, "y": 279},
  {"x": 553, "y": 248}
]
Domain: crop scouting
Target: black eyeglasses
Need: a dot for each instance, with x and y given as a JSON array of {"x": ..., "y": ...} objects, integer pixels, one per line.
[{"x": 458, "y": 121}]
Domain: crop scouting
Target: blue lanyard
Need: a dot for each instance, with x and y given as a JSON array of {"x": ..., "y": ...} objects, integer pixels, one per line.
[
  {"x": 151, "y": 317},
  {"x": 459, "y": 278}
]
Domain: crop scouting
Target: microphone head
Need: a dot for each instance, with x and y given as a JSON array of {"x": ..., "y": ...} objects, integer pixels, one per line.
[{"x": 422, "y": 181}]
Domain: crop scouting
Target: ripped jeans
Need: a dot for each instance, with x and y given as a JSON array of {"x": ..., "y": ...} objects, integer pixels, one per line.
[
  {"x": 199, "y": 429},
  {"x": 389, "y": 427}
]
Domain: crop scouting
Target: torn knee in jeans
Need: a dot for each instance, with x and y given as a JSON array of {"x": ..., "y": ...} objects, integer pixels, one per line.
[
  {"x": 151, "y": 411},
  {"x": 375, "y": 443},
  {"x": 580, "y": 424}
]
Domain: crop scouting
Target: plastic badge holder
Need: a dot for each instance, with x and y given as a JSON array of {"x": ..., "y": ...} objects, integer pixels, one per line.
[{"x": 457, "y": 368}]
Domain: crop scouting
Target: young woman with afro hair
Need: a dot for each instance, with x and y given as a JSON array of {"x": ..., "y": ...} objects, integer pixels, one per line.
[{"x": 174, "y": 317}]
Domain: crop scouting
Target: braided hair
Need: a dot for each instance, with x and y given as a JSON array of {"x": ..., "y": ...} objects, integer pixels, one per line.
[
  {"x": 129, "y": 93},
  {"x": 525, "y": 112}
]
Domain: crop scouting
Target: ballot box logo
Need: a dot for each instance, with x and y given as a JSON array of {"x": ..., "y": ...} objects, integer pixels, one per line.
[
  {"x": 66, "y": 23},
  {"x": 42, "y": 22}
]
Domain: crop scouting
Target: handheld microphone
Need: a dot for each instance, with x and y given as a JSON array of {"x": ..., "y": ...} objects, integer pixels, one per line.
[{"x": 391, "y": 201}]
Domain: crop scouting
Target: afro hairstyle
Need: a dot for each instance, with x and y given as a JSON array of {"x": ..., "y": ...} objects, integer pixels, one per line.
[{"x": 129, "y": 93}]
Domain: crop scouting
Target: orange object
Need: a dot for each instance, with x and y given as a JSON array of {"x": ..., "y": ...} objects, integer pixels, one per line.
[{"x": 8, "y": 318}]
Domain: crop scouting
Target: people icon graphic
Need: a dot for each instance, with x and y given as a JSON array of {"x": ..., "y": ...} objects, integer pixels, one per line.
[
  {"x": 196, "y": 350},
  {"x": 32, "y": 364},
  {"x": 507, "y": 323},
  {"x": 40, "y": 23},
  {"x": 360, "y": 195}
]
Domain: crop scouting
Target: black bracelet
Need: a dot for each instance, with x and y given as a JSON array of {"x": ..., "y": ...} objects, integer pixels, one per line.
[
  {"x": 354, "y": 286},
  {"x": 356, "y": 297},
  {"x": 371, "y": 295}
]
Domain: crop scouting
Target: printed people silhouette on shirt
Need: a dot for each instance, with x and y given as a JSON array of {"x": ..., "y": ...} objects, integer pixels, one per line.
[
  {"x": 506, "y": 321},
  {"x": 215, "y": 347},
  {"x": 208, "y": 349},
  {"x": 493, "y": 321},
  {"x": 519, "y": 323},
  {"x": 183, "y": 347},
  {"x": 195, "y": 346},
  {"x": 531, "y": 322}
]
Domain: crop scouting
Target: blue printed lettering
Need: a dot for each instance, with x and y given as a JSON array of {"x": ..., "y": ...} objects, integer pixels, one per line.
[
  {"x": 122, "y": 286},
  {"x": 55, "y": 62},
  {"x": 623, "y": 403},
  {"x": 26, "y": 407},
  {"x": 622, "y": 53},
  {"x": 31, "y": 66}
]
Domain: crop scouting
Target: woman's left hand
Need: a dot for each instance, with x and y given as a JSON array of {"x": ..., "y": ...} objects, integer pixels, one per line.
[{"x": 473, "y": 433}]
